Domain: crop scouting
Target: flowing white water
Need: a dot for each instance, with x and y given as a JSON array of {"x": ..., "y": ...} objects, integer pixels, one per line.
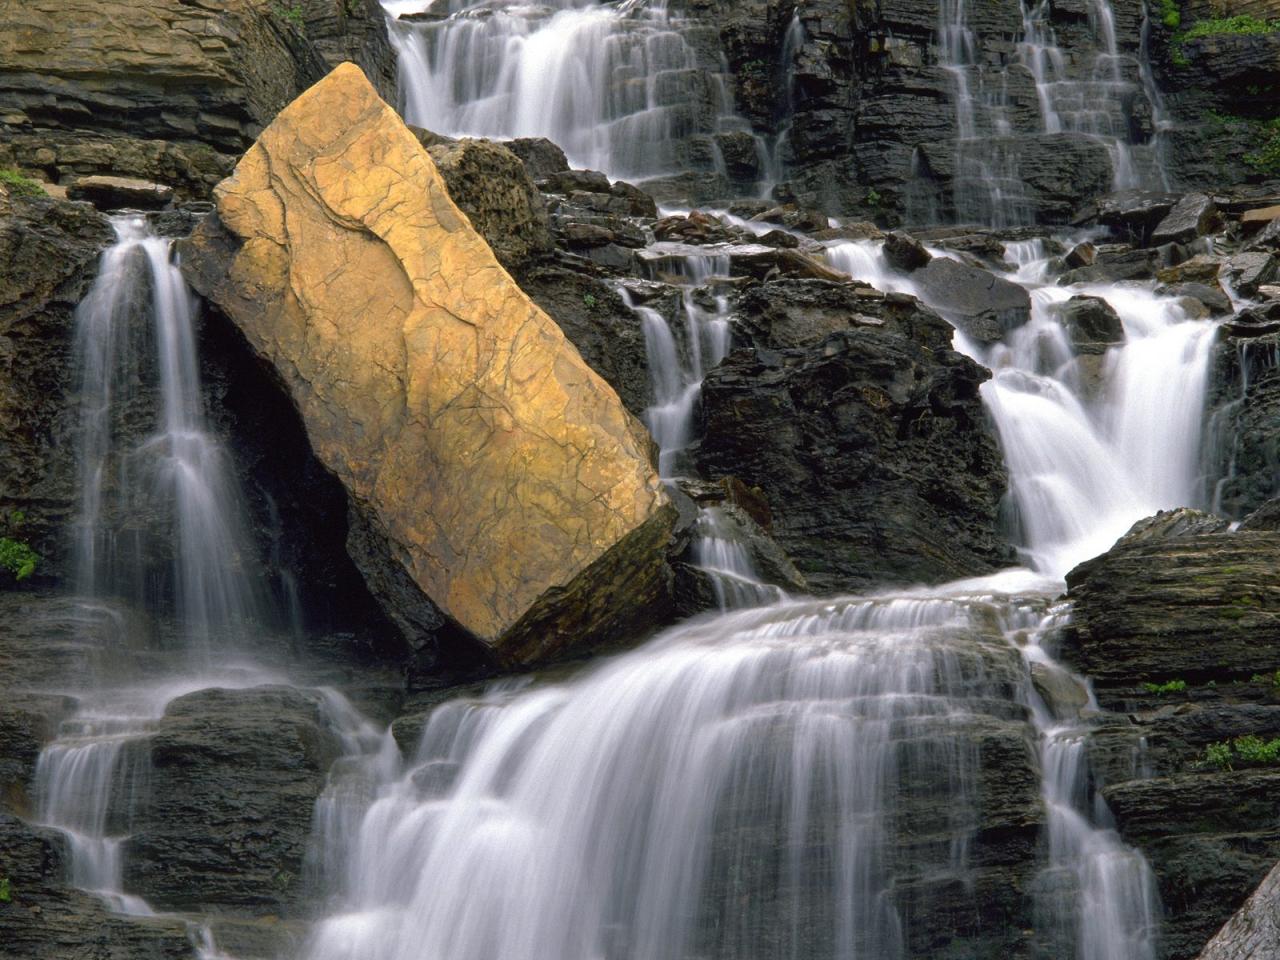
[
  {"x": 1090, "y": 93},
  {"x": 617, "y": 86},
  {"x": 1092, "y": 444}
]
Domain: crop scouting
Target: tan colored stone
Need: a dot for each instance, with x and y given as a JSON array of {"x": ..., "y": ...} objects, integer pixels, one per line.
[
  {"x": 505, "y": 476},
  {"x": 1259, "y": 217}
]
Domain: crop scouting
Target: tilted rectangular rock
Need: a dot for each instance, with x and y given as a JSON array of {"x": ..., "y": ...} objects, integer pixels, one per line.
[{"x": 487, "y": 465}]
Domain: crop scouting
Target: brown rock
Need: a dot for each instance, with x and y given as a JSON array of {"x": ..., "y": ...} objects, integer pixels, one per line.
[
  {"x": 488, "y": 467},
  {"x": 1258, "y": 218},
  {"x": 114, "y": 193}
]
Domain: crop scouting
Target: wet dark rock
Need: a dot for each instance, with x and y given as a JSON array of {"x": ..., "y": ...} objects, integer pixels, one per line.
[
  {"x": 873, "y": 450},
  {"x": 1178, "y": 596},
  {"x": 744, "y": 259},
  {"x": 1193, "y": 216},
  {"x": 45, "y": 920},
  {"x": 354, "y": 30},
  {"x": 1113, "y": 264},
  {"x": 541, "y": 157},
  {"x": 1244, "y": 404},
  {"x": 1090, "y": 320},
  {"x": 1210, "y": 294},
  {"x": 696, "y": 227},
  {"x": 235, "y": 775},
  {"x": 1249, "y": 271},
  {"x": 114, "y": 193},
  {"x": 1132, "y": 215},
  {"x": 982, "y": 305},
  {"x": 905, "y": 253},
  {"x": 48, "y": 258}
]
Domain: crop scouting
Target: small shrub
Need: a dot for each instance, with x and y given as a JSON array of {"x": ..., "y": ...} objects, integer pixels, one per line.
[
  {"x": 1266, "y": 158},
  {"x": 20, "y": 185},
  {"x": 1170, "y": 14},
  {"x": 589, "y": 301},
  {"x": 1237, "y": 26},
  {"x": 1160, "y": 689},
  {"x": 6, "y": 890},
  {"x": 1269, "y": 678},
  {"x": 1248, "y": 751},
  {"x": 873, "y": 197},
  {"x": 18, "y": 558}
]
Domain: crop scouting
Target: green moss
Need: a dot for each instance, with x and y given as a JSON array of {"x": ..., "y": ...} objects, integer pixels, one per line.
[
  {"x": 1266, "y": 158},
  {"x": 19, "y": 184},
  {"x": 1170, "y": 14},
  {"x": 1229, "y": 26},
  {"x": 6, "y": 890},
  {"x": 1160, "y": 689},
  {"x": 292, "y": 15}
]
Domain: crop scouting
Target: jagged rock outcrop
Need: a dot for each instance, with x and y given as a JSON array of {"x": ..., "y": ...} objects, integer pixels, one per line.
[
  {"x": 489, "y": 184},
  {"x": 870, "y": 443},
  {"x": 1254, "y": 932},
  {"x": 1186, "y": 599},
  {"x": 492, "y": 475},
  {"x": 166, "y": 90},
  {"x": 48, "y": 258},
  {"x": 1177, "y": 625}
]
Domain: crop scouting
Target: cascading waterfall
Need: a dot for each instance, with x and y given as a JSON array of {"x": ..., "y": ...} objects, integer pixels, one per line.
[
  {"x": 677, "y": 366},
  {"x": 1089, "y": 96},
  {"x": 617, "y": 86},
  {"x": 159, "y": 502}
]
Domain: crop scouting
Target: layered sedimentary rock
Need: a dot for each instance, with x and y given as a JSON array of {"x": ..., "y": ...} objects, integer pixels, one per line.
[
  {"x": 492, "y": 475},
  {"x": 870, "y": 442},
  {"x": 166, "y": 90},
  {"x": 1178, "y": 596},
  {"x": 1177, "y": 623}
]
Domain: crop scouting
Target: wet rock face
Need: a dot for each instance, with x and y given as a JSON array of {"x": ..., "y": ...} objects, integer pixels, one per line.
[
  {"x": 1244, "y": 405},
  {"x": 48, "y": 258},
  {"x": 1227, "y": 606},
  {"x": 530, "y": 538},
  {"x": 1177, "y": 625},
  {"x": 44, "y": 920},
  {"x": 234, "y": 778},
  {"x": 165, "y": 90},
  {"x": 873, "y": 450}
]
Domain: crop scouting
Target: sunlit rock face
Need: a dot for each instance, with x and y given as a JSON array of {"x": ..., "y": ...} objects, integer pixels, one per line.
[{"x": 492, "y": 475}]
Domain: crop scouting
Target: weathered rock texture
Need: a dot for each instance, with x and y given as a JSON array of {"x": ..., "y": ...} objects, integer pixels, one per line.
[
  {"x": 1182, "y": 598},
  {"x": 1254, "y": 932},
  {"x": 870, "y": 442},
  {"x": 48, "y": 258},
  {"x": 486, "y": 463},
  {"x": 168, "y": 90},
  {"x": 234, "y": 779},
  {"x": 1194, "y": 602}
]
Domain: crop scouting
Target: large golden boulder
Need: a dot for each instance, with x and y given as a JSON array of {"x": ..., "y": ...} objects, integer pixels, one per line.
[{"x": 487, "y": 465}]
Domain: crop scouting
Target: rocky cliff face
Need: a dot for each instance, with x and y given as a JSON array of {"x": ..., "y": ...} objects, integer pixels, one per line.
[
  {"x": 439, "y": 433},
  {"x": 1177, "y": 624},
  {"x": 165, "y": 90},
  {"x": 48, "y": 258}
]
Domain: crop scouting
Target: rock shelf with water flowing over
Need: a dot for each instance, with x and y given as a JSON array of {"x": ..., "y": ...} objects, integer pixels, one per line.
[{"x": 687, "y": 480}]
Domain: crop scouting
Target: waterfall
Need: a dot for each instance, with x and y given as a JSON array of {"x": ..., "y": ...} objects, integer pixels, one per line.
[
  {"x": 1089, "y": 95},
  {"x": 677, "y": 366},
  {"x": 176, "y": 477},
  {"x": 619, "y": 87}
]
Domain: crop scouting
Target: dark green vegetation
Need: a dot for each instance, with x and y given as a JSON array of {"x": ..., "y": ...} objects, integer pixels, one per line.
[
  {"x": 1160, "y": 689},
  {"x": 1249, "y": 751}
]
